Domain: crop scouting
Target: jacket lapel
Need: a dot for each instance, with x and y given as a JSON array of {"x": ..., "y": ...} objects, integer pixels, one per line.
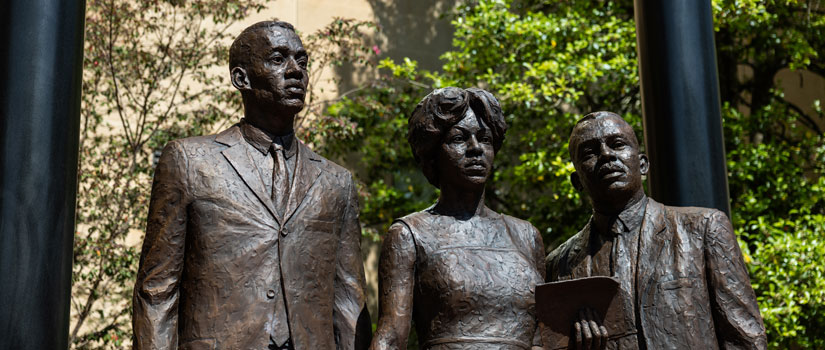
[
  {"x": 239, "y": 159},
  {"x": 652, "y": 240},
  {"x": 307, "y": 170},
  {"x": 580, "y": 253}
]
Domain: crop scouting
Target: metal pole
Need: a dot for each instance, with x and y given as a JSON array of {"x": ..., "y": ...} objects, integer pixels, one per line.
[
  {"x": 680, "y": 103},
  {"x": 41, "y": 55}
]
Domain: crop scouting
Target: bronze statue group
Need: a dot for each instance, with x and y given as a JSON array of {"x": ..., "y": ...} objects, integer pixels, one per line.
[{"x": 253, "y": 240}]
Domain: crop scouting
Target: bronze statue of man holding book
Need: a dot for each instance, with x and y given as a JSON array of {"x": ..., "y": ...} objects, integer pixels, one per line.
[{"x": 683, "y": 282}]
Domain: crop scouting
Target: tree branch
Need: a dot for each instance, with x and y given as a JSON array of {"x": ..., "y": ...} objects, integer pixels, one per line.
[{"x": 807, "y": 120}]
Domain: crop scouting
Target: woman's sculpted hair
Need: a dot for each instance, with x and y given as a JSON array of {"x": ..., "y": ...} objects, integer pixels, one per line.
[{"x": 439, "y": 111}]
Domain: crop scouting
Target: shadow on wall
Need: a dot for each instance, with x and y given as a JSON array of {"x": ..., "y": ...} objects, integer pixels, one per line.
[{"x": 420, "y": 30}]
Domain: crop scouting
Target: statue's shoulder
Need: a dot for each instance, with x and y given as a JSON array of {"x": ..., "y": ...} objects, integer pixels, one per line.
[
  {"x": 572, "y": 246},
  {"x": 694, "y": 219},
  {"x": 520, "y": 225},
  {"x": 325, "y": 163},
  {"x": 420, "y": 223},
  {"x": 417, "y": 218},
  {"x": 343, "y": 177},
  {"x": 196, "y": 146},
  {"x": 691, "y": 212}
]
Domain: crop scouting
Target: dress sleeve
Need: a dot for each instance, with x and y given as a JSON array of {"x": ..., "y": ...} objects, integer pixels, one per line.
[{"x": 396, "y": 271}]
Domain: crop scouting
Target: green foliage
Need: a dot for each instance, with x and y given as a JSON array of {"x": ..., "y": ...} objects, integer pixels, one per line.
[
  {"x": 778, "y": 200},
  {"x": 550, "y": 62},
  {"x": 776, "y": 160},
  {"x": 547, "y": 68},
  {"x": 787, "y": 273},
  {"x": 369, "y": 134}
]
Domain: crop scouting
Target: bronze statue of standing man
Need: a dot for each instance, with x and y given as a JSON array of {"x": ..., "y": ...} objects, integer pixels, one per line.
[
  {"x": 253, "y": 240},
  {"x": 682, "y": 276}
]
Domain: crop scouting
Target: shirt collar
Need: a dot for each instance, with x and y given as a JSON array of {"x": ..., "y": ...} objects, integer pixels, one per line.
[
  {"x": 262, "y": 140},
  {"x": 631, "y": 218}
]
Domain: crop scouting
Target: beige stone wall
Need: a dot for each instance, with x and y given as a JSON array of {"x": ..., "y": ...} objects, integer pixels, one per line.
[
  {"x": 414, "y": 29},
  {"x": 802, "y": 88}
]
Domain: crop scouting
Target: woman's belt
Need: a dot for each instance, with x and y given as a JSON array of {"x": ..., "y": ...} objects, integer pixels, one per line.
[{"x": 491, "y": 340}]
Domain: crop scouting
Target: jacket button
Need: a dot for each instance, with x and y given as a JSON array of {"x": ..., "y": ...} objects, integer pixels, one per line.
[{"x": 270, "y": 294}]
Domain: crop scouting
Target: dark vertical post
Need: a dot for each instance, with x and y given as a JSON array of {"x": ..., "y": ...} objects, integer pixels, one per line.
[
  {"x": 680, "y": 103},
  {"x": 41, "y": 54}
]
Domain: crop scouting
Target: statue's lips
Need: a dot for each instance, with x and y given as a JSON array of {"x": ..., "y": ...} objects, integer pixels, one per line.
[
  {"x": 295, "y": 90},
  {"x": 475, "y": 167},
  {"x": 609, "y": 173}
]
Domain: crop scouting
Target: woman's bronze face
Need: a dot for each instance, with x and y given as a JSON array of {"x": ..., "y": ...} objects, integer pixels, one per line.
[{"x": 465, "y": 158}]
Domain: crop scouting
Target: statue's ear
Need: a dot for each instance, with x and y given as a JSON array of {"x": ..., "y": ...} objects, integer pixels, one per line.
[
  {"x": 644, "y": 164},
  {"x": 239, "y": 79},
  {"x": 577, "y": 182}
]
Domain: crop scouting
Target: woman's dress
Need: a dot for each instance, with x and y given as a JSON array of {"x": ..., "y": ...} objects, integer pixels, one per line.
[{"x": 477, "y": 290}]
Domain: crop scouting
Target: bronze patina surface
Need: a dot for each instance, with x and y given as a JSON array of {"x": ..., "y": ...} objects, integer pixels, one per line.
[
  {"x": 253, "y": 240},
  {"x": 680, "y": 268},
  {"x": 465, "y": 274}
]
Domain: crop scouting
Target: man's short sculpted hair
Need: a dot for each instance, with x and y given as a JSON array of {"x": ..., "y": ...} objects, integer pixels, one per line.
[
  {"x": 442, "y": 109},
  {"x": 571, "y": 145},
  {"x": 239, "y": 52}
]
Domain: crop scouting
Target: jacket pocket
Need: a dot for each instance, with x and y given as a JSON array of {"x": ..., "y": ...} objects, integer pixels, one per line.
[
  {"x": 678, "y": 283},
  {"x": 319, "y": 225},
  {"x": 198, "y": 344},
  {"x": 677, "y": 295}
]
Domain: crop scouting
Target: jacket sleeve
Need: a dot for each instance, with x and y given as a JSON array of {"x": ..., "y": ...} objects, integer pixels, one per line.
[
  {"x": 538, "y": 257},
  {"x": 155, "y": 300},
  {"x": 735, "y": 311},
  {"x": 350, "y": 317},
  {"x": 551, "y": 265}
]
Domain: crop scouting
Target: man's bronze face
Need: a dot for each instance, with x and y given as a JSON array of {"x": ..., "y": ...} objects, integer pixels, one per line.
[
  {"x": 277, "y": 71},
  {"x": 608, "y": 164}
]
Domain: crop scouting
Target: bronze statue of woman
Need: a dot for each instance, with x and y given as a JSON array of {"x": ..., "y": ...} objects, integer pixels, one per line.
[{"x": 463, "y": 273}]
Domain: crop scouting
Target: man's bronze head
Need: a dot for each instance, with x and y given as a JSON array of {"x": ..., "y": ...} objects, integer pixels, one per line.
[
  {"x": 609, "y": 166},
  {"x": 268, "y": 64}
]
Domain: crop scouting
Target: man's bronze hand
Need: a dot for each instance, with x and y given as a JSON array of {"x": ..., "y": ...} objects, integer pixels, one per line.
[{"x": 589, "y": 334}]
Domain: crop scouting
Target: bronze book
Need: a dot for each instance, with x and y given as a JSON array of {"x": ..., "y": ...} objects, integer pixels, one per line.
[{"x": 558, "y": 305}]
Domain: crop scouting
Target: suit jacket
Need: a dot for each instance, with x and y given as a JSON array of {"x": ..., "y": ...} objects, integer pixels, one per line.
[
  {"x": 693, "y": 290},
  {"x": 215, "y": 246}
]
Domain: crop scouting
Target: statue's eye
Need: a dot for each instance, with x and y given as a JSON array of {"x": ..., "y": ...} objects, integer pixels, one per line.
[
  {"x": 457, "y": 139},
  {"x": 302, "y": 62},
  {"x": 277, "y": 59}
]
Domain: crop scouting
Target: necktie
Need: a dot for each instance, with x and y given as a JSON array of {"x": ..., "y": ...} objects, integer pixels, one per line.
[
  {"x": 280, "y": 194},
  {"x": 621, "y": 257},
  {"x": 280, "y": 325},
  {"x": 280, "y": 179},
  {"x": 623, "y": 265}
]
